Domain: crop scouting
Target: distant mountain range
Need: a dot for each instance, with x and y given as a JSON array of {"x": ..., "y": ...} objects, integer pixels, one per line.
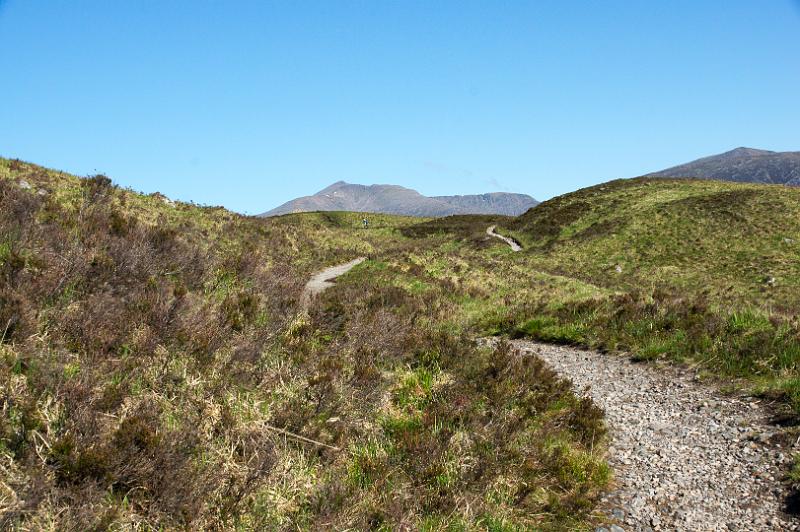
[
  {"x": 745, "y": 165},
  {"x": 393, "y": 199}
]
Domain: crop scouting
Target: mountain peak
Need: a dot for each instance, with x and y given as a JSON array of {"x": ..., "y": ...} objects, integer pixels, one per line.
[
  {"x": 395, "y": 199},
  {"x": 333, "y": 187},
  {"x": 743, "y": 151}
]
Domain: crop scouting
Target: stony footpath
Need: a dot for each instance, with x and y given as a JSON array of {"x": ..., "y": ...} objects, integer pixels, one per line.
[
  {"x": 491, "y": 232},
  {"x": 324, "y": 279},
  {"x": 685, "y": 457}
]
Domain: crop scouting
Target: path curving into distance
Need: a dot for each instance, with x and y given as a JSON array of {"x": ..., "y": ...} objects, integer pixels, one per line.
[
  {"x": 323, "y": 280},
  {"x": 510, "y": 241},
  {"x": 684, "y": 456}
]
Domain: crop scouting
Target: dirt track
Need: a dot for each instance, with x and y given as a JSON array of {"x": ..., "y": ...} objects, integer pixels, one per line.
[
  {"x": 322, "y": 280},
  {"x": 514, "y": 246}
]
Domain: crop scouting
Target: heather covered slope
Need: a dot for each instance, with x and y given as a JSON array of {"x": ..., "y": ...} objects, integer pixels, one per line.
[
  {"x": 144, "y": 337},
  {"x": 393, "y": 199},
  {"x": 157, "y": 371},
  {"x": 659, "y": 271},
  {"x": 744, "y": 165},
  {"x": 702, "y": 272}
]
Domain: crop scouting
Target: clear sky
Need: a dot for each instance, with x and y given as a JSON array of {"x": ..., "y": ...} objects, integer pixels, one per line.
[{"x": 249, "y": 104}]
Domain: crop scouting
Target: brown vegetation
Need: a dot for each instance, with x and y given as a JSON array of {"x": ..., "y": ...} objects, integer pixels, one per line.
[{"x": 156, "y": 371}]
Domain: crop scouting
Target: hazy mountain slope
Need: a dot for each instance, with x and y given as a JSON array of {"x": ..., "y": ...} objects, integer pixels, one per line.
[
  {"x": 393, "y": 199},
  {"x": 746, "y": 165},
  {"x": 389, "y": 199},
  {"x": 492, "y": 203}
]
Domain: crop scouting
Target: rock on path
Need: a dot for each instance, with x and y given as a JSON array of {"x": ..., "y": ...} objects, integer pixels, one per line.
[
  {"x": 684, "y": 456},
  {"x": 322, "y": 280}
]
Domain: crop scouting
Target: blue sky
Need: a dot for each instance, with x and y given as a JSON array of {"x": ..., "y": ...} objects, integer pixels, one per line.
[{"x": 249, "y": 104}]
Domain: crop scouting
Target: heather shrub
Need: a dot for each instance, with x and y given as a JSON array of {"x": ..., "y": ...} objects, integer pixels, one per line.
[{"x": 158, "y": 372}]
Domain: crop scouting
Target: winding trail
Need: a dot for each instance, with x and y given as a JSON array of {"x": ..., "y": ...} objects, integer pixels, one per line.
[
  {"x": 323, "y": 280},
  {"x": 684, "y": 456},
  {"x": 491, "y": 232}
]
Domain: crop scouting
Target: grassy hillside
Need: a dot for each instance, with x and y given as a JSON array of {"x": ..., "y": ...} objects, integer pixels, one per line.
[
  {"x": 157, "y": 372},
  {"x": 740, "y": 244},
  {"x": 701, "y": 272}
]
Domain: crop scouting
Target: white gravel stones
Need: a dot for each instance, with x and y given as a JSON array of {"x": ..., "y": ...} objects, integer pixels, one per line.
[{"x": 684, "y": 456}]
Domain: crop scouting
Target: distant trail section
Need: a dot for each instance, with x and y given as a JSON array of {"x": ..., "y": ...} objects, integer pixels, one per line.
[
  {"x": 491, "y": 232},
  {"x": 685, "y": 457},
  {"x": 323, "y": 280}
]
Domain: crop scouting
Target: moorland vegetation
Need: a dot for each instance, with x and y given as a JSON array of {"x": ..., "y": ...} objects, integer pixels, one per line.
[{"x": 158, "y": 371}]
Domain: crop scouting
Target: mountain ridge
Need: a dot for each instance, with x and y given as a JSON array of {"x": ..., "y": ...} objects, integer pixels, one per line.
[
  {"x": 742, "y": 165},
  {"x": 396, "y": 199}
]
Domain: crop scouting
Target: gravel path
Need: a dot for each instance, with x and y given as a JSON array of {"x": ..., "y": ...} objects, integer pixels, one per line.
[
  {"x": 514, "y": 246},
  {"x": 322, "y": 280},
  {"x": 684, "y": 456}
]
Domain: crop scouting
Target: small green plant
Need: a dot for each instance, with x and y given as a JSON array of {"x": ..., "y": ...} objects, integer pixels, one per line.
[{"x": 367, "y": 464}]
